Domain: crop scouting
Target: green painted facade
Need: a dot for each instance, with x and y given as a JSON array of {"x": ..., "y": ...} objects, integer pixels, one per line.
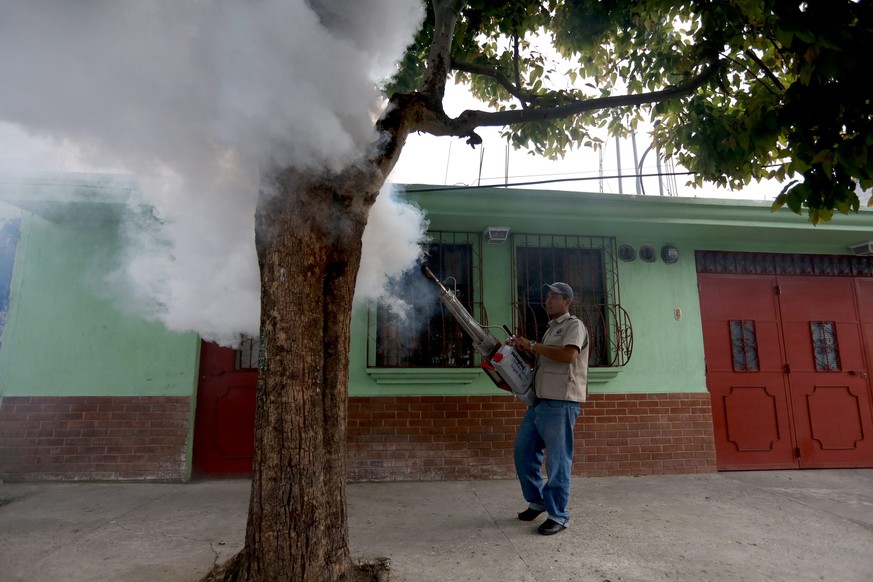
[
  {"x": 62, "y": 339},
  {"x": 668, "y": 350}
]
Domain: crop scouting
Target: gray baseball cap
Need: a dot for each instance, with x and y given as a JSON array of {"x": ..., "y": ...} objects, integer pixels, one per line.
[{"x": 561, "y": 288}]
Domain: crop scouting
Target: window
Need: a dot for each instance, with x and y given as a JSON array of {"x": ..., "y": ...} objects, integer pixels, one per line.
[
  {"x": 589, "y": 266},
  {"x": 415, "y": 330},
  {"x": 744, "y": 345},
  {"x": 247, "y": 353},
  {"x": 824, "y": 346}
]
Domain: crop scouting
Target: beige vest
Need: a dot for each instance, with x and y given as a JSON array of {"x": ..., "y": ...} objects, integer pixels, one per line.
[{"x": 556, "y": 380}]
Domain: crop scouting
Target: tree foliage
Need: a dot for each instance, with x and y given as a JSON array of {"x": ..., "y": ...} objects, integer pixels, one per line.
[{"x": 738, "y": 90}]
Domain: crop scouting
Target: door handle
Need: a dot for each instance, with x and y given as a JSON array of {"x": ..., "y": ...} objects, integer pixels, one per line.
[{"x": 861, "y": 373}]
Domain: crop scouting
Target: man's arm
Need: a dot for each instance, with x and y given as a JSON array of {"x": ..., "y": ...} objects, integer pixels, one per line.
[{"x": 563, "y": 354}]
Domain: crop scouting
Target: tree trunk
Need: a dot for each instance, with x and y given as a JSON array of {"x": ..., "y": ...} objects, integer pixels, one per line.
[{"x": 309, "y": 227}]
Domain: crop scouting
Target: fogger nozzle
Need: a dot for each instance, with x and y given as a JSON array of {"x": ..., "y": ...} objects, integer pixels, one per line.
[
  {"x": 484, "y": 342},
  {"x": 429, "y": 274}
]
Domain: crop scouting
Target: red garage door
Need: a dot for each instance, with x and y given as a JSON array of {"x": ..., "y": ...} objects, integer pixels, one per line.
[{"x": 786, "y": 371}]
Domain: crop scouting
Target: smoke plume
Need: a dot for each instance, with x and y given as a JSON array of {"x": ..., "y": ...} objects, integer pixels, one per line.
[
  {"x": 192, "y": 98},
  {"x": 392, "y": 239}
]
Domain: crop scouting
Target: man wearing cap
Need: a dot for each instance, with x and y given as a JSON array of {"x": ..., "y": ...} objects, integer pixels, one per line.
[{"x": 561, "y": 383}]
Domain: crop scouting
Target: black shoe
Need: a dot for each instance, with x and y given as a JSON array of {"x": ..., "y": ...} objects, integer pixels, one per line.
[
  {"x": 551, "y": 527},
  {"x": 529, "y": 514}
]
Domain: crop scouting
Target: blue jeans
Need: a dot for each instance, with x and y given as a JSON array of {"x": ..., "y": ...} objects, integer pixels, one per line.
[{"x": 548, "y": 427}]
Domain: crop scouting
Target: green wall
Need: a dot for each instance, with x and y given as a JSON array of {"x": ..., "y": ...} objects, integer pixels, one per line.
[
  {"x": 668, "y": 351},
  {"x": 62, "y": 340}
]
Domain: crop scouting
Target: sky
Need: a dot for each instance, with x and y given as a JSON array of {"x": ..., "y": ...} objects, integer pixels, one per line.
[
  {"x": 447, "y": 161},
  {"x": 192, "y": 98}
]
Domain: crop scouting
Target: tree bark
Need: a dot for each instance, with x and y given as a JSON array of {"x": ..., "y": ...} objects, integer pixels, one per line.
[{"x": 309, "y": 228}]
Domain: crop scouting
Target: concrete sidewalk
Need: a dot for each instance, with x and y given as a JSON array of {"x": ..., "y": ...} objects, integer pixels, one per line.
[{"x": 773, "y": 526}]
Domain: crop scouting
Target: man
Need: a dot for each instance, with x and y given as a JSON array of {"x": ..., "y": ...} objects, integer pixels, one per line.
[{"x": 561, "y": 383}]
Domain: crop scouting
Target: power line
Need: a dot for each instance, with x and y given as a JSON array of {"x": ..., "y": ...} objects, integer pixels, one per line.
[{"x": 553, "y": 181}]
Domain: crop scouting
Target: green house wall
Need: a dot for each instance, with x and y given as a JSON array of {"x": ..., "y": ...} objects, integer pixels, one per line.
[
  {"x": 62, "y": 339},
  {"x": 667, "y": 351}
]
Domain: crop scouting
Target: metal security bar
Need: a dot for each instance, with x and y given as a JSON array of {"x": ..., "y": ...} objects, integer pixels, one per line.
[
  {"x": 412, "y": 329},
  {"x": 741, "y": 263},
  {"x": 744, "y": 345},
  {"x": 247, "y": 353},
  {"x": 589, "y": 265},
  {"x": 824, "y": 346}
]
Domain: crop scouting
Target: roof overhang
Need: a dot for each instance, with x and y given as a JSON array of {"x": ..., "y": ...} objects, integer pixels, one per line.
[{"x": 702, "y": 220}]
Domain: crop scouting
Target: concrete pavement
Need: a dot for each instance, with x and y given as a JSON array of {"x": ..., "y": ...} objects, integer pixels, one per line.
[{"x": 770, "y": 525}]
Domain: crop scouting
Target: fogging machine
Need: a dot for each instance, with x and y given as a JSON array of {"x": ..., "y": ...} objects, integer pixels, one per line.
[{"x": 503, "y": 363}]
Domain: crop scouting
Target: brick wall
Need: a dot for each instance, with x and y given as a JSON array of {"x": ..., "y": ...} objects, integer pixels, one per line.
[
  {"x": 389, "y": 438},
  {"x": 93, "y": 437},
  {"x": 471, "y": 437}
]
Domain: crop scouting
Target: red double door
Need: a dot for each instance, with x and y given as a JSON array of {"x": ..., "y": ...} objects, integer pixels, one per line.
[{"x": 787, "y": 367}]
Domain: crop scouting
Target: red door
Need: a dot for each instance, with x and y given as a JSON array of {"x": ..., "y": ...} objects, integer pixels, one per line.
[
  {"x": 786, "y": 370},
  {"x": 829, "y": 386},
  {"x": 864, "y": 292},
  {"x": 224, "y": 423},
  {"x": 745, "y": 373}
]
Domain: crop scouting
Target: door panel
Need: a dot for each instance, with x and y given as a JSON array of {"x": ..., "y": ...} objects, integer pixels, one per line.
[
  {"x": 831, "y": 429},
  {"x": 750, "y": 404},
  {"x": 806, "y": 298},
  {"x": 751, "y": 421},
  {"x": 828, "y": 379},
  {"x": 864, "y": 294},
  {"x": 730, "y": 297},
  {"x": 224, "y": 424}
]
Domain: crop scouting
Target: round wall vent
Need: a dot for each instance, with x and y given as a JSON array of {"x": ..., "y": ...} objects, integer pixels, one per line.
[
  {"x": 626, "y": 252},
  {"x": 647, "y": 253}
]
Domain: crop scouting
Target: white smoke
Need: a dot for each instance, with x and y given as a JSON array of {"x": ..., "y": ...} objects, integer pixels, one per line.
[
  {"x": 392, "y": 239},
  {"x": 192, "y": 98}
]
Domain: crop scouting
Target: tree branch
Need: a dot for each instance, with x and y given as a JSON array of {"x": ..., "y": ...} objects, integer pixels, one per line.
[
  {"x": 516, "y": 68},
  {"x": 499, "y": 76},
  {"x": 439, "y": 58},
  {"x": 465, "y": 124},
  {"x": 766, "y": 69}
]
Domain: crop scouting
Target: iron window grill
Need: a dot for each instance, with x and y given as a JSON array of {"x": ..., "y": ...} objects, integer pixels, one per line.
[
  {"x": 590, "y": 266},
  {"x": 247, "y": 353},
  {"x": 415, "y": 330},
  {"x": 744, "y": 346},
  {"x": 824, "y": 346},
  {"x": 742, "y": 263}
]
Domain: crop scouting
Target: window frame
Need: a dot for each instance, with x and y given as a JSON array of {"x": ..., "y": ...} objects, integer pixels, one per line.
[
  {"x": 612, "y": 338},
  {"x": 420, "y": 373}
]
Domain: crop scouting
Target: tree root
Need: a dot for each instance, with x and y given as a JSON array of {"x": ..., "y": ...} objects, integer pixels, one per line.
[
  {"x": 226, "y": 572},
  {"x": 376, "y": 570}
]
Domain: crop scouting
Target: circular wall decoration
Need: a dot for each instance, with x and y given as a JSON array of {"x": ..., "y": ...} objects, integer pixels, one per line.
[
  {"x": 626, "y": 252},
  {"x": 669, "y": 254},
  {"x": 647, "y": 253}
]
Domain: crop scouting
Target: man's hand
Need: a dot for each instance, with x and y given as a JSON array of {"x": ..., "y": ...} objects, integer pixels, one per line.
[{"x": 523, "y": 343}]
